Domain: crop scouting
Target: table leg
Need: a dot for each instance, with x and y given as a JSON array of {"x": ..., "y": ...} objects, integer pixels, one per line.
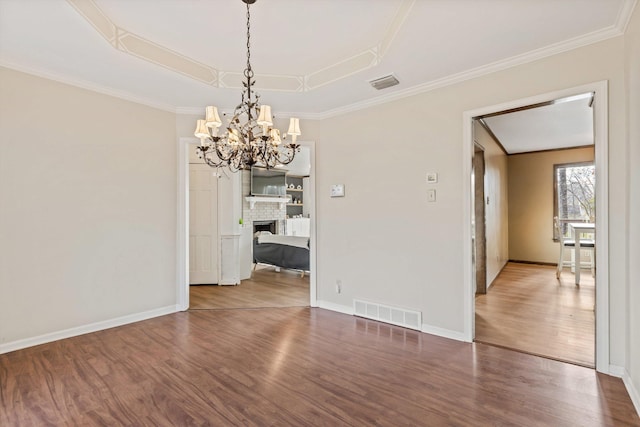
[{"x": 577, "y": 257}]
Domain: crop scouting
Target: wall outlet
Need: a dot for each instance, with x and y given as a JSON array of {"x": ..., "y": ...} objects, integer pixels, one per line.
[
  {"x": 338, "y": 286},
  {"x": 337, "y": 190}
]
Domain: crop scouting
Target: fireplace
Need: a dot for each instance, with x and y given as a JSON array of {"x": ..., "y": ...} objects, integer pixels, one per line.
[{"x": 265, "y": 226}]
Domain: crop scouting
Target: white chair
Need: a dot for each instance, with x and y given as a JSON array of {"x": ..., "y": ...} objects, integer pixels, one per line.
[{"x": 586, "y": 244}]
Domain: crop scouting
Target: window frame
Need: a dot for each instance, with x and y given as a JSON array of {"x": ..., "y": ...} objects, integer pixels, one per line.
[{"x": 555, "y": 191}]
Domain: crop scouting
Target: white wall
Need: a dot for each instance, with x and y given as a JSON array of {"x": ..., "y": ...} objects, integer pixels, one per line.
[
  {"x": 632, "y": 69},
  {"x": 497, "y": 210},
  {"x": 88, "y": 207},
  {"x": 386, "y": 242},
  {"x": 88, "y": 211}
]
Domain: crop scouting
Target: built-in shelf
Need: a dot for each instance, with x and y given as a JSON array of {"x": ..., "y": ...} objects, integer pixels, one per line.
[
  {"x": 295, "y": 190},
  {"x": 254, "y": 199}
]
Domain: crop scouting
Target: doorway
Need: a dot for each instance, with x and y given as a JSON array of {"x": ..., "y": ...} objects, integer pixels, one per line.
[
  {"x": 599, "y": 89},
  {"x": 183, "y": 262}
]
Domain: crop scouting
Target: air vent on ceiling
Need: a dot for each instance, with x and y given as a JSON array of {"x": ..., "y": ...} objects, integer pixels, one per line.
[{"x": 384, "y": 82}]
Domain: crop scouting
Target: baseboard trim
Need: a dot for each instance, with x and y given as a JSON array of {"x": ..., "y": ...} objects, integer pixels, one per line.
[
  {"x": 427, "y": 329},
  {"x": 551, "y": 264},
  {"x": 632, "y": 390},
  {"x": 344, "y": 309},
  {"x": 616, "y": 371},
  {"x": 85, "y": 329},
  {"x": 496, "y": 276},
  {"x": 444, "y": 333}
]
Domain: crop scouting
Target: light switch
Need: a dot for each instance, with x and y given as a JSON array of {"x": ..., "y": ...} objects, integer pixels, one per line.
[{"x": 431, "y": 195}]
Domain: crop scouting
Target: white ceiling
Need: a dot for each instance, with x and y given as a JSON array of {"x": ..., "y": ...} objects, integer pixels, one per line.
[
  {"x": 319, "y": 53},
  {"x": 565, "y": 123}
]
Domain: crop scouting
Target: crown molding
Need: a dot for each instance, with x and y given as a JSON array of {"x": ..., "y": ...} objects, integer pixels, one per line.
[
  {"x": 531, "y": 56},
  {"x": 190, "y": 111},
  {"x": 624, "y": 16},
  {"x": 613, "y": 31},
  {"x": 82, "y": 84}
]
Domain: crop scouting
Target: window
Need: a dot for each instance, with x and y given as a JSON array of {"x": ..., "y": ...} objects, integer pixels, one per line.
[{"x": 574, "y": 193}]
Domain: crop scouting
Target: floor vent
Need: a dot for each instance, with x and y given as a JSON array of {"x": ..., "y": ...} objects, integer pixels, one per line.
[{"x": 384, "y": 313}]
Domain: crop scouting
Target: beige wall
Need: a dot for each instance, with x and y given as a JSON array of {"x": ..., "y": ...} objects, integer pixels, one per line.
[
  {"x": 632, "y": 70},
  {"x": 88, "y": 207},
  {"x": 88, "y": 223},
  {"x": 531, "y": 202},
  {"x": 406, "y": 251},
  {"x": 497, "y": 208}
]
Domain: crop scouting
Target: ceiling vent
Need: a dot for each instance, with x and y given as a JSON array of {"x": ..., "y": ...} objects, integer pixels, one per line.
[{"x": 384, "y": 82}]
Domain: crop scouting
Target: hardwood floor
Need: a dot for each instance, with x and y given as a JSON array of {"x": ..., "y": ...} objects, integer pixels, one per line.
[
  {"x": 295, "y": 367},
  {"x": 529, "y": 310},
  {"x": 266, "y": 288}
]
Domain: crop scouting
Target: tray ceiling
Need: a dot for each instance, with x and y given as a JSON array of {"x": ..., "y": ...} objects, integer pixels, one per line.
[{"x": 310, "y": 57}]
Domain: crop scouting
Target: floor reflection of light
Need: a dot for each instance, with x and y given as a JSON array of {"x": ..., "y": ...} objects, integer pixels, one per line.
[{"x": 281, "y": 354}]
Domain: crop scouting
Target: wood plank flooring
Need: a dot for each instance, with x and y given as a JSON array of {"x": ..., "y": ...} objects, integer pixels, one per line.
[
  {"x": 295, "y": 367},
  {"x": 529, "y": 310},
  {"x": 266, "y": 288}
]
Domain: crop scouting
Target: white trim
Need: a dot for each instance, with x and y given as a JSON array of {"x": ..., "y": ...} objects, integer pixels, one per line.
[
  {"x": 327, "y": 305},
  {"x": 632, "y": 390},
  {"x": 86, "y": 329},
  {"x": 597, "y": 36},
  {"x": 469, "y": 303},
  {"x": 602, "y": 207},
  {"x": 616, "y": 371},
  {"x": 624, "y": 15},
  {"x": 534, "y": 55},
  {"x": 182, "y": 235},
  {"x": 82, "y": 84},
  {"x": 255, "y": 199},
  {"x": 601, "y": 140},
  {"x": 445, "y": 333},
  {"x": 311, "y": 196}
]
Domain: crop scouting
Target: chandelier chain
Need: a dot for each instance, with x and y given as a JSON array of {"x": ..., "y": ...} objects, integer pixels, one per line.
[{"x": 250, "y": 71}]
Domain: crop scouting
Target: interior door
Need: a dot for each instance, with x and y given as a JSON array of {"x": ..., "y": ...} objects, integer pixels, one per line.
[{"x": 203, "y": 225}]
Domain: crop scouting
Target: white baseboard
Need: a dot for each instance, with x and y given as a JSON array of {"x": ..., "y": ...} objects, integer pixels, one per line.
[
  {"x": 427, "y": 329},
  {"x": 616, "y": 371},
  {"x": 632, "y": 390},
  {"x": 85, "y": 329},
  {"x": 344, "y": 309},
  {"x": 445, "y": 333}
]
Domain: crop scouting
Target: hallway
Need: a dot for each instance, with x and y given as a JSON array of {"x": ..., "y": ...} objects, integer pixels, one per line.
[{"x": 527, "y": 309}]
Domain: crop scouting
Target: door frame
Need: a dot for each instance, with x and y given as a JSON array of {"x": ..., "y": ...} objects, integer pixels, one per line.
[
  {"x": 480, "y": 239},
  {"x": 182, "y": 229},
  {"x": 601, "y": 140}
]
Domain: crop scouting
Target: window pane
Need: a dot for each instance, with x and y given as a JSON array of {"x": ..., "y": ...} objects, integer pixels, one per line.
[{"x": 575, "y": 193}]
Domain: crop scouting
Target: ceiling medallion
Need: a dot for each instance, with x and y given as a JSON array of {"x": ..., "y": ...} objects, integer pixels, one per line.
[{"x": 250, "y": 138}]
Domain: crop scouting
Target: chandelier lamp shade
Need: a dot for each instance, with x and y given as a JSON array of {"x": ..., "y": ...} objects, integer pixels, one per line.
[{"x": 249, "y": 137}]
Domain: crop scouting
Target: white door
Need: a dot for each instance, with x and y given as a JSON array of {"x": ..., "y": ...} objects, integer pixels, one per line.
[{"x": 203, "y": 225}]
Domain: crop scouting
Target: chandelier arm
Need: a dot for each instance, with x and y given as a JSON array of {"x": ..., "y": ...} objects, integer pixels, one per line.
[{"x": 251, "y": 141}]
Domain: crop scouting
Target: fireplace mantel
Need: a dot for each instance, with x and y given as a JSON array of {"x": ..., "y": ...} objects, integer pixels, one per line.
[{"x": 254, "y": 199}]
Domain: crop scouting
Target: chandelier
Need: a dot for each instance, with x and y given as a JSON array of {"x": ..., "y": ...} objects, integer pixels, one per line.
[{"x": 250, "y": 138}]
